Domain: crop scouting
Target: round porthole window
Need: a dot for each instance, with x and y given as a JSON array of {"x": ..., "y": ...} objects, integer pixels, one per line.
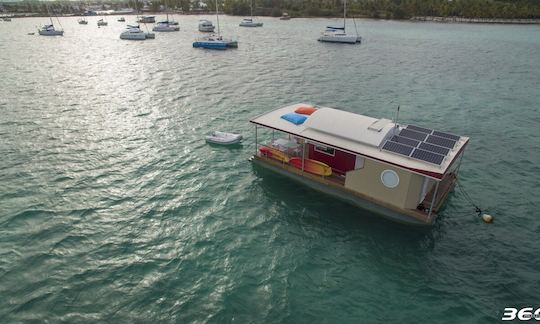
[{"x": 390, "y": 178}]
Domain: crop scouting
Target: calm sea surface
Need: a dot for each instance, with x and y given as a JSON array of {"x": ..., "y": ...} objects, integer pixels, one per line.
[{"x": 113, "y": 208}]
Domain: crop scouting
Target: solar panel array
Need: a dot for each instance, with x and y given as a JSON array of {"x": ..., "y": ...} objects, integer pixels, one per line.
[{"x": 422, "y": 144}]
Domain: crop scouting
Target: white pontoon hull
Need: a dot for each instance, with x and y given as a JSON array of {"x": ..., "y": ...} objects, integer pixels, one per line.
[
  {"x": 51, "y": 32},
  {"x": 339, "y": 39}
]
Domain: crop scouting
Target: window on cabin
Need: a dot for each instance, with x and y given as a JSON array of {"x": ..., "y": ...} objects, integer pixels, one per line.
[{"x": 325, "y": 150}]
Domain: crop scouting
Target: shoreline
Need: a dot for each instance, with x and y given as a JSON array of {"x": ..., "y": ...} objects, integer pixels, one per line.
[
  {"x": 462, "y": 20},
  {"x": 420, "y": 19}
]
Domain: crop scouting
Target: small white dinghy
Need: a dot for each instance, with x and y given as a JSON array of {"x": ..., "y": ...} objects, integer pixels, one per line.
[{"x": 223, "y": 138}]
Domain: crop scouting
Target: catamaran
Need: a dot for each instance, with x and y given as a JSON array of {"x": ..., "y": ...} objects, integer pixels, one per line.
[
  {"x": 248, "y": 22},
  {"x": 215, "y": 41},
  {"x": 338, "y": 34},
  {"x": 135, "y": 33}
]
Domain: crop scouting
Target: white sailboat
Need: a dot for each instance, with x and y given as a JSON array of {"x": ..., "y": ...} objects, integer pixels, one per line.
[
  {"x": 49, "y": 30},
  {"x": 338, "y": 34},
  {"x": 215, "y": 41},
  {"x": 165, "y": 26},
  {"x": 248, "y": 22}
]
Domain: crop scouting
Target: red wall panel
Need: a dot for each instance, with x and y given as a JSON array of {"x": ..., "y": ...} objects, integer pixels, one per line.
[{"x": 341, "y": 160}]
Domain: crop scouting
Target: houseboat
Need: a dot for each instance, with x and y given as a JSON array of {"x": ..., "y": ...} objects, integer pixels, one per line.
[{"x": 401, "y": 172}]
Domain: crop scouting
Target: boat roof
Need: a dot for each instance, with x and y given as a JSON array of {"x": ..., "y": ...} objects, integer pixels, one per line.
[{"x": 370, "y": 137}]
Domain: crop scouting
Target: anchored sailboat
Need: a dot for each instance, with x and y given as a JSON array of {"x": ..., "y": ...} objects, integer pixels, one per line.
[
  {"x": 165, "y": 26},
  {"x": 248, "y": 22},
  {"x": 49, "y": 30},
  {"x": 215, "y": 41},
  {"x": 338, "y": 34}
]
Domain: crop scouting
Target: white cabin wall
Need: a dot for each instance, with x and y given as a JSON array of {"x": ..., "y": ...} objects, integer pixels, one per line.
[{"x": 367, "y": 181}]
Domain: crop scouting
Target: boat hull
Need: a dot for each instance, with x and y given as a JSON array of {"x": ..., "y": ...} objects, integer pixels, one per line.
[
  {"x": 206, "y": 29},
  {"x": 231, "y": 142},
  {"x": 232, "y": 44},
  {"x": 339, "y": 39},
  {"x": 147, "y": 20},
  {"x": 133, "y": 36},
  {"x": 250, "y": 24},
  {"x": 51, "y": 32},
  {"x": 210, "y": 45},
  {"x": 344, "y": 195},
  {"x": 165, "y": 29}
]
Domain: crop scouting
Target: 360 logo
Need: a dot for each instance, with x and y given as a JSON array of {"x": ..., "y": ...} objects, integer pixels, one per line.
[{"x": 523, "y": 314}]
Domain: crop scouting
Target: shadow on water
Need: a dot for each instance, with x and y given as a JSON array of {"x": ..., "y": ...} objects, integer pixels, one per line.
[{"x": 334, "y": 215}]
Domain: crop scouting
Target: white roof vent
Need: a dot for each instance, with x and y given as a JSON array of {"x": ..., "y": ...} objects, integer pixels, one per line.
[{"x": 379, "y": 124}]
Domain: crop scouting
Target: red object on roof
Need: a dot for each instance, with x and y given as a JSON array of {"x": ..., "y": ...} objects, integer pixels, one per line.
[{"x": 305, "y": 110}]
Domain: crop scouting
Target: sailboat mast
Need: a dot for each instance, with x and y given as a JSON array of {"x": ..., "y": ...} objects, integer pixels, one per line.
[
  {"x": 49, "y": 12},
  {"x": 217, "y": 17},
  {"x": 344, "y": 13}
]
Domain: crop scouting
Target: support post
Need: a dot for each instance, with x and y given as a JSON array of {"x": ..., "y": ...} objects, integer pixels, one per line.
[
  {"x": 256, "y": 144},
  {"x": 459, "y": 165},
  {"x": 303, "y": 154},
  {"x": 433, "y": 200}
]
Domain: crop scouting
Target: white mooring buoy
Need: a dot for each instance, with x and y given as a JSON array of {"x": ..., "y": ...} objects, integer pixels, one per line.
[{"x": 487, "y": 218}]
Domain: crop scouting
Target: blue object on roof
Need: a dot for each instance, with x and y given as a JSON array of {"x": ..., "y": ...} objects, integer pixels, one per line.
[{"x": 294, "y": 118}]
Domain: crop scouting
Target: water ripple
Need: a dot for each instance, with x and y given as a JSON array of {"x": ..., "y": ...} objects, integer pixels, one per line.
[{"x": 113, "y": 208}]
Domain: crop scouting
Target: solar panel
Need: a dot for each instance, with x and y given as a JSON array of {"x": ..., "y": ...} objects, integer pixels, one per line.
[
  {"x": 441, "y": 141},
  {"x": 434, "y": 148},
  {"x": 446, "y": 135},
  {"x": 413, "y": 134},
  {"x": 428, "y": 156},
  {"x": 397, "y": 148},
  {"x": 420, "y": 129},
  {"x": 422, "y": 144},
  {"x": 404, "y": 140}
]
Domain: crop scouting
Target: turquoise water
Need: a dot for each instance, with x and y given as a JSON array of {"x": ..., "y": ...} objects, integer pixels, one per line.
[{"x": 113, "y": 208}]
